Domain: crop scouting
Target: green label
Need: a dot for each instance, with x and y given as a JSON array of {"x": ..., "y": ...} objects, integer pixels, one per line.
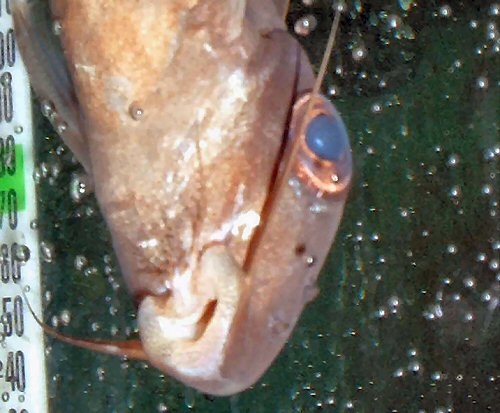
[{"x": 12, "y": 173}]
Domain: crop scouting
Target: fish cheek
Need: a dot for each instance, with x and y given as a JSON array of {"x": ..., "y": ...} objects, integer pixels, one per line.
[
  {"x": 297, "y": 230},
  {"x": 280, "y": 281}
]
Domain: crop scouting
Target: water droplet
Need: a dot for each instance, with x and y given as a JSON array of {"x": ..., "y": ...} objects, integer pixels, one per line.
[
  {"x": 487, "y": 189},
  {"x": 393, "y": 21},
  {"x": 57, "y": 27},
  {"x": 136, "y": 111},
  {"x": 451, "y": 249},
  {"x": 65, "y": 317},
  {"x": 310, "y": 261},
  {"x": 412, "y": 352},
  {"x": 359, "y": 53},
  {"x": 189, "y": 398},
  {"x": 376, "y": 108},
  {"x": 80, "y": 262},
  {"x": 79, "y": 186},
  {"x": 455, "y": 191},
  {"x": 305, "y": 25},
  {"x": 34, "y": 224},
  {"x": 393, "y": 301},
  {"x": 398, "y": 373},
  {"x": 482, "y": 82},
  {"x": 468, "y": 317},
  {"x": 381, "y": 313},
  {"x": 339, "y": 6},
  {"x": 22, "y": 253},
  {"x": 481, "y": 257},
  {"x": 469, "y": 282},
  {"x": 162, "y": 408},
  {"x": 90, "y": 271},
  {"x": 333, "y": 90},
  {"x": 61, "y": 127},
  {"x": 405, "y": 4},
  {"x": 445, "y": 11},
  {"x": 100, "y": 373},
  {"x": 318, "y": 208},
  {"x": 47, "y": 251},
  {"x": 6, "y": 79},
  {"x": 414, "y": 367},
  {"x": 436, "y": 376},
  {"x": 47, "y": 108},
  {"x": 453, "y": 160},
  {"x": 295, "y": 184}
]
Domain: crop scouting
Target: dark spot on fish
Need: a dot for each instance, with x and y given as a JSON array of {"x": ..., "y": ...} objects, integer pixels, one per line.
[{"x": 300, "y": 249}]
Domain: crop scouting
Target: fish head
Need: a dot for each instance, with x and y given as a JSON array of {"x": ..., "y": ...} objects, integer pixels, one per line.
[
  {"x": 221, "y": 177},
  {"x": 275, "y": 210}
]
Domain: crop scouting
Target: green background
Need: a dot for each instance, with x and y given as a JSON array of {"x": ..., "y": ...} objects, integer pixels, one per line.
[{"x": 407, "y": 319}]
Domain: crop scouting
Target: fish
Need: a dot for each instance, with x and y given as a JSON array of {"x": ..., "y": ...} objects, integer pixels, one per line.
[{"x": 220, "y": 170}]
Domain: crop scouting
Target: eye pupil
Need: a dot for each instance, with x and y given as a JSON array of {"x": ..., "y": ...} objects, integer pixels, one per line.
[{"x": 326, "y": 137}]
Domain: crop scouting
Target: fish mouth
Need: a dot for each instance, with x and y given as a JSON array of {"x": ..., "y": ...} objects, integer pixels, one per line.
[
  {"x": 175, "y": 325},
  {"x": 185, "y": 334},
  {"x": 278, "y": 166}
]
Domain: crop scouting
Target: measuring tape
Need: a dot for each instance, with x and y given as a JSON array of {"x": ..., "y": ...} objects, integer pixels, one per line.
[{"x": 22, "y": 355}]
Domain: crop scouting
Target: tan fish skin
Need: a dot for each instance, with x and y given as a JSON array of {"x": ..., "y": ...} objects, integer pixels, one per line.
[{"x": 188, "y": 110}]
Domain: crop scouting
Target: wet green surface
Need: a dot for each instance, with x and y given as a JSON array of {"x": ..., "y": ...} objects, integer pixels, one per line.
[{"x": 407, "y": 319}]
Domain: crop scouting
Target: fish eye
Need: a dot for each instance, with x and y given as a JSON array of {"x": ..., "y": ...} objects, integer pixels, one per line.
[
  {"x": 327, "y": 138},
  {"x": 323, "y": 160}
]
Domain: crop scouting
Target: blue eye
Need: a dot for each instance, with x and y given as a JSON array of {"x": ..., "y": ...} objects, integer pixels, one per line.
[{"x": 327, "y": 138}]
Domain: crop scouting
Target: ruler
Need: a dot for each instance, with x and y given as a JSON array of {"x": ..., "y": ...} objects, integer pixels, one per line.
[{"x": 22, "y": 353}]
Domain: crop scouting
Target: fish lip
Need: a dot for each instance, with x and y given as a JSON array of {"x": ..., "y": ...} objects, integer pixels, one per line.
[
  {"x": 139, "y": 295},
  {"x": 185, "y": 333}
]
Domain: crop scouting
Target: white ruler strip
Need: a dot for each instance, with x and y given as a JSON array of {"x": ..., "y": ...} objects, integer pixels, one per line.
[{"x": 22, "y": 356}]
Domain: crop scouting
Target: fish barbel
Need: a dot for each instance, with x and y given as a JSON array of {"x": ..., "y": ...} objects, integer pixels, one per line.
[{"x": 221, "y": 176}]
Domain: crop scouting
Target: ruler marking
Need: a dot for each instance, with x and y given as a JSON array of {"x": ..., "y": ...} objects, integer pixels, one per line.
[{"x": 22, "y": 353}]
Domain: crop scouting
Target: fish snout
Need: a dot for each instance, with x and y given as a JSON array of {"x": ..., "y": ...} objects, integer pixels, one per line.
[{"x": 186, "y": 340}]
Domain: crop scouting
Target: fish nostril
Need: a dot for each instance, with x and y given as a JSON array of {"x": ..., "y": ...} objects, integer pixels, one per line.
[
  {"x": 208, "y": 315},
  {"x": 326, "y": 137}
]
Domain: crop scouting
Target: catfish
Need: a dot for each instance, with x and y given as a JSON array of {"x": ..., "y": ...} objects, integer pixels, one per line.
[{"x": 220, "y": 170}]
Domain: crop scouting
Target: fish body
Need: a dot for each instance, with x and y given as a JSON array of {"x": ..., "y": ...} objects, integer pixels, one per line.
[{"x": 184, "y": 113}]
